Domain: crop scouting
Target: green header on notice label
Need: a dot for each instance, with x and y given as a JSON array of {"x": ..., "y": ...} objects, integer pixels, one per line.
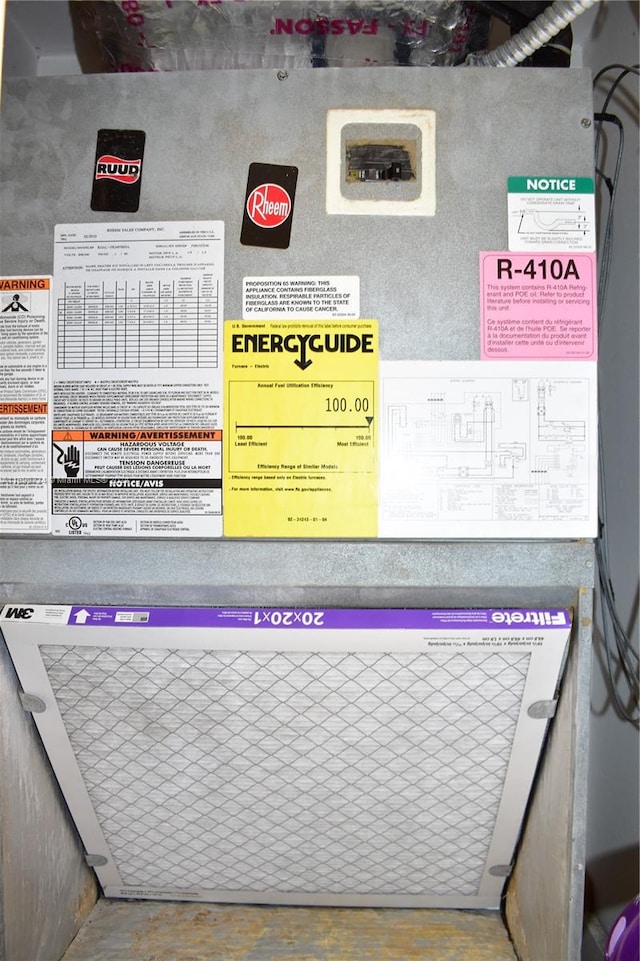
[{"x": 551, "y": 185}]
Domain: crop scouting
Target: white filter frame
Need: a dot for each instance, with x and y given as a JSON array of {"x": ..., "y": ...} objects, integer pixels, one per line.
[{"x": 541, "y": 635}]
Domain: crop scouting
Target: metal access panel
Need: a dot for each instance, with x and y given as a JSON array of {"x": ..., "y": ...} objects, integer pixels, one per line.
[
  {"x": 338, "y": 757},
  {"x": 401, "y": 180},
  {"x": 465, "y": 131}
]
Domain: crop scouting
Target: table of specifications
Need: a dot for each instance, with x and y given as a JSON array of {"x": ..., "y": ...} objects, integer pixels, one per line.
[
  {"x": 136, "y": 443},
  {"x": 144, "y": 323}
]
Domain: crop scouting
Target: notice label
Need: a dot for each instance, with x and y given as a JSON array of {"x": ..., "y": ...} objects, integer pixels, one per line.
[
  {"x": 121, "y": 472},
  {"x": 25, "y": 309},
  {"x": 301, "y": 447},
  {"x": 294, "y": 298},
  {"x": 551, "y": 213},
  {"x": 538, "y": 307}
]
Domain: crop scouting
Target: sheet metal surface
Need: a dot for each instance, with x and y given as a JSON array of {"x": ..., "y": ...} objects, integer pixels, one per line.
[{"x": 419, "y": 275}]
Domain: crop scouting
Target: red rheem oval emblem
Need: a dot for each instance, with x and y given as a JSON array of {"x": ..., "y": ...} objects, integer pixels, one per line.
[{"x": 268, "y": 205}]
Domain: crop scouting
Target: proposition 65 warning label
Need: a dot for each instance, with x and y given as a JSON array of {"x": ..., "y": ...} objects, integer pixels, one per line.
[
  {"x": 300, "y": 429},
  {"x": 24, "y": 408}
]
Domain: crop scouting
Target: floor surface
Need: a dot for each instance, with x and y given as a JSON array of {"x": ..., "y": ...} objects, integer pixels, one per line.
[{"x": 168, "y": 931}]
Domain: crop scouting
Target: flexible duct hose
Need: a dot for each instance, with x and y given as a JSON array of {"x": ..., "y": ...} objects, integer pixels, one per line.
[{"x": 545, "y": 26}]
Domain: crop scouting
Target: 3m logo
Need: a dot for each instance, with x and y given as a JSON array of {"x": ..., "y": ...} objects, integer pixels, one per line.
[
  {"x": 23, "y": 613},
  {"x": 109, "y": 167},
  {"x": 268, "y": 205}
]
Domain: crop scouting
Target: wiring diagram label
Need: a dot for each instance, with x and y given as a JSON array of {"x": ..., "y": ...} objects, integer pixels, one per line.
[
  {"x": 301, "y": 429},
  {"x": 25, "y": 310},
  {"x": 479, "y": 449},
  {"x": 538, "y": 306},
  {"x": 551, "y": 214}
]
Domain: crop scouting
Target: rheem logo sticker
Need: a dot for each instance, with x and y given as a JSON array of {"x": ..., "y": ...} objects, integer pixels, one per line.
[{"x": 269, "y": 205}]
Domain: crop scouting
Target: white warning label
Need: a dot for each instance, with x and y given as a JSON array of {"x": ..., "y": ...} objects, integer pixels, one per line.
[{"x": 297, "y": 298}]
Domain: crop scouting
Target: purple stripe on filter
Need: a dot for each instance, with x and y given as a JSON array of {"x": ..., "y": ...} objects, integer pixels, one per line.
[{"x": 321, "y": 619}]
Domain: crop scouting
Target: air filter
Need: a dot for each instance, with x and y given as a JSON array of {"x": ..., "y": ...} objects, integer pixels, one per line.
[{"x": 336, "y": 757}]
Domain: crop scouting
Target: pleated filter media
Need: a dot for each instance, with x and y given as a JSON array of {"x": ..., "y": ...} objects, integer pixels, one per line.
[{"x": 341, "y": 757}]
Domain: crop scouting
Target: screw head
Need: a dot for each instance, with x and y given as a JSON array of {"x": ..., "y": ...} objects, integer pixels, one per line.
[
  {"x": 282, "y": 75},
  {"x": 586, "y": 121}
]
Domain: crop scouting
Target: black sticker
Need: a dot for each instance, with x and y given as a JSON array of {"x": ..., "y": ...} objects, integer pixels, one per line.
[
  {"x": 117, "y": 171},
  {"x": 268, "y": 206}
]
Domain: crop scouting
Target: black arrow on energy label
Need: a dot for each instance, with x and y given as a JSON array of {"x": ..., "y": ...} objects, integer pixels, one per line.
[{"x": 303, "y": 363}]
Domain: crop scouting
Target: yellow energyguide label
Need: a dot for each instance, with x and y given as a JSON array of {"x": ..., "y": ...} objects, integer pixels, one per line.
[{"x": 300, "y": 449}]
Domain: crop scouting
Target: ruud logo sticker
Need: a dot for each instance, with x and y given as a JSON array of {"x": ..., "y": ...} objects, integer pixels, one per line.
[
  {"x": 115, "y": 168},
  {"x": 268, "y": 206}
]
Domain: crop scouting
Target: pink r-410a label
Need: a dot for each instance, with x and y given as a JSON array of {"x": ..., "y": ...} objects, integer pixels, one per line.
[{"x": 538, "y": 306}]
